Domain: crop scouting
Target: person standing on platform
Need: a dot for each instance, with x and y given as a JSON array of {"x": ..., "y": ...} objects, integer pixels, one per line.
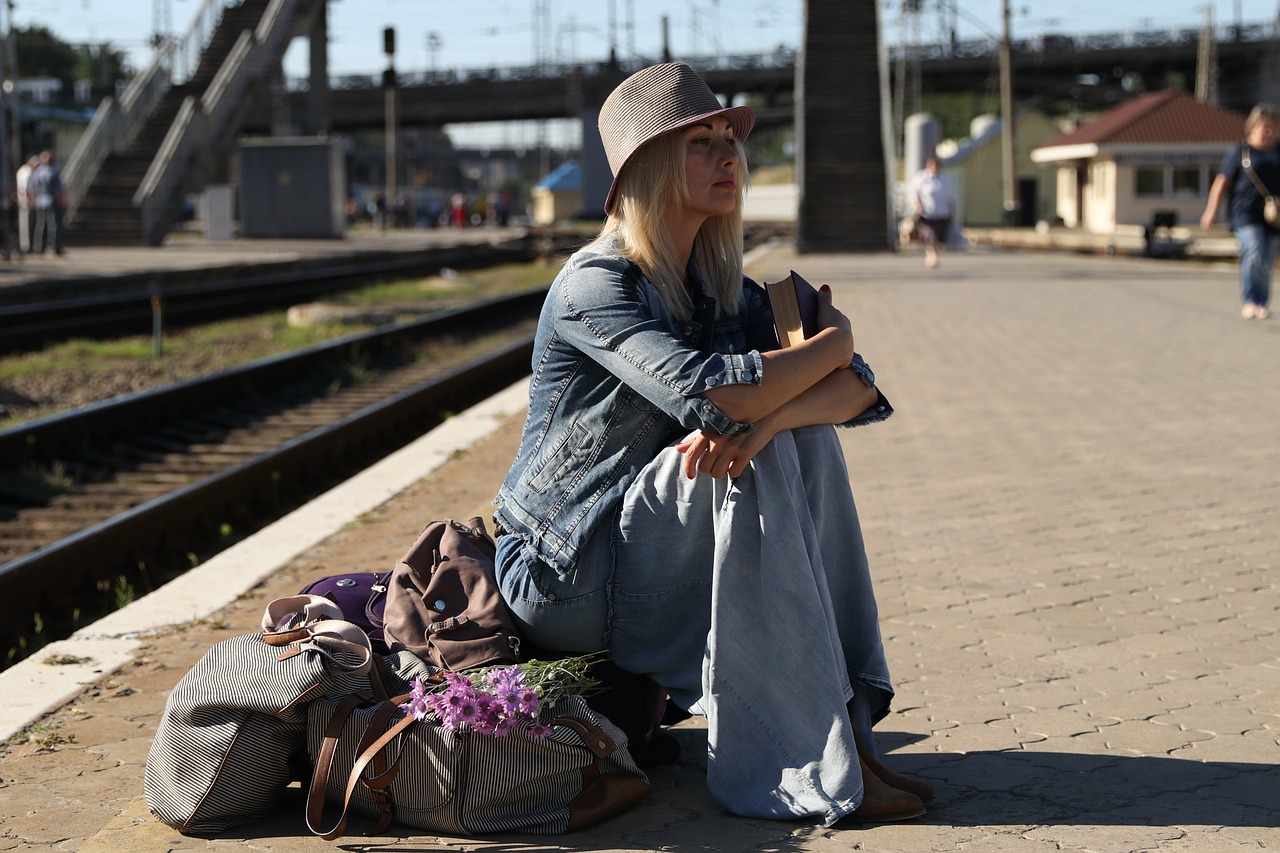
[
  {"x": 24, "y": 203},
  {"x": 1251, "y": 167},
  {"x": 44, "y": 189},
  {"x": 933, "y": 198}
]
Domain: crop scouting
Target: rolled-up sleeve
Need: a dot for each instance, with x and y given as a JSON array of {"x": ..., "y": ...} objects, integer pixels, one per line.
[
  {"x": 878, "y": 411},
  {"x": 761, "y": 333},
  {"x": 598, "y": 310}
]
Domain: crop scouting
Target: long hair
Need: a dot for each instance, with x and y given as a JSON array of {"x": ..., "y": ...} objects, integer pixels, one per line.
[
  {"x": 651, "y": 188},
  {"x": 1259, "y": 114}
]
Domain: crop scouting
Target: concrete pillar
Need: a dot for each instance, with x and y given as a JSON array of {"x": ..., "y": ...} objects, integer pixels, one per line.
[
  {"x": 841, "y": 124},
  {"x": 596, "y": 176},
  {"x": 1268, "y": 76},
  {"x": 319, "y": 115}
]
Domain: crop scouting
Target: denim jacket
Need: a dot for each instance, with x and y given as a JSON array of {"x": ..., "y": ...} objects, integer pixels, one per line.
[{"x": 616, "y": 378}]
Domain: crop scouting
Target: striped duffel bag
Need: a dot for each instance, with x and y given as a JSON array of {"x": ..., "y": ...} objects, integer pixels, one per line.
[
  {"x": 233, "y": 732},
  {"x": 376, "y": 760}
]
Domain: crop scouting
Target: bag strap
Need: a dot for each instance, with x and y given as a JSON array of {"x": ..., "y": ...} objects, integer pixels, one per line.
[
  {"x": 368, "y": 751},
  {"x": 1247, "y": 163},
  {"x": 593, "y": 737},
  {"x": 294, "y": 611},
  {"x": 378, "y": 678},
  {"x": 324, "y": 763},
  {"x": 344, "y": 644},
  {"x": 377, "y": 593}
]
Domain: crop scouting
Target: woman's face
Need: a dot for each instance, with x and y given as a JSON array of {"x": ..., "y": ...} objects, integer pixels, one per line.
[
  {"x": 711, "y": 167},
  {"x": 1262, "y": 134}
]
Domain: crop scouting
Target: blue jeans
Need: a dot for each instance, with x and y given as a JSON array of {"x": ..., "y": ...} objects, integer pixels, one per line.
[
  {"x": 750, "y": 600},
  {"x": 1258, "y": 250},
  {"x": 48, "y": 230}
]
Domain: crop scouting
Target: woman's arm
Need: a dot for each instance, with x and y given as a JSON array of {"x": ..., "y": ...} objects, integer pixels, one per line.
[
  {"x": 838, "y": 397},
  {"x": 789, "y": 373},
  {"x": 1216, "y": 192}
]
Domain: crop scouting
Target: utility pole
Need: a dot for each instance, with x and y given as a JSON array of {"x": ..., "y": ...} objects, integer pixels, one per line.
[
  {"x": 1207, "y": 61},
  {"x": 613, "y": 33},
  {"x": 161, "y": 21},
  {"x": 389, "y": 90},
  {"x": 1010, "y": 167},
  {"x": 434, "y": 43},
  {"x": 6, "y": 204},
  {"x": 11, "y": 96},
  {"x": 631, "y": 29},
  {"x": 10, "y": 133}
]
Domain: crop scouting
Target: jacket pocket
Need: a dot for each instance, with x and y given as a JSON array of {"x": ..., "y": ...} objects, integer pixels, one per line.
[{"x": 567, "y": 457}]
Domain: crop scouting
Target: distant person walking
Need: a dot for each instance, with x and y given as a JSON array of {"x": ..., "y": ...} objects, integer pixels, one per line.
[
  {"x": 1250, "y": 169},
  {"x": 44, "y": 189},
  {"x": 24, "y": 203},
  {"x": 933, "y": 198}
]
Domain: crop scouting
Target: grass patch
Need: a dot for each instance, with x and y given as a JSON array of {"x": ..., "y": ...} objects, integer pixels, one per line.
[
  {"x": 76, "y": 373},
  {"x": 450, "y": 284}
]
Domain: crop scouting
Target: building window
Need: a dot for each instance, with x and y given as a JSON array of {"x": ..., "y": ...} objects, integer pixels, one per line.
[
  {"x": 1149, "y": 183},
  {"x": 1188, "y": 182},
  {"x": 1170, "y": 181}
]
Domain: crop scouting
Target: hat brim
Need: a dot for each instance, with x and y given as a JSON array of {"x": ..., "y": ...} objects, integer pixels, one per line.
[{"x": 741, "y": 119}]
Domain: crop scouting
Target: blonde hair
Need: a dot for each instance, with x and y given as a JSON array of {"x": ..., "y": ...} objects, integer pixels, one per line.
[
  {"x": 1259, "y": 114},
  {"x": 650, "y": 188}
]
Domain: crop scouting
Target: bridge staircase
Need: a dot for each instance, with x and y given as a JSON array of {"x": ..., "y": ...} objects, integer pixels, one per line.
[{"x": 141, "y": 156}]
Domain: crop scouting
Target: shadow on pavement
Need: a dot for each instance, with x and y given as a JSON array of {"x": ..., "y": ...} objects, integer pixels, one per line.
[{"x": 1027, "y": 787}]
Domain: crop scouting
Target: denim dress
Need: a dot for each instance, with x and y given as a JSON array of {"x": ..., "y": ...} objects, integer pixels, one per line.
[{"x": 748, "y": 598}]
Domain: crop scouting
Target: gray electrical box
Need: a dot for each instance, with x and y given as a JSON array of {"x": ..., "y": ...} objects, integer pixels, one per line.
[{"x": 292, "y": 187}]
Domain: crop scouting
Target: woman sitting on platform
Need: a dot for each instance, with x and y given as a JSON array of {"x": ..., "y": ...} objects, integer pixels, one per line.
[{"x": 680, "y": 497}]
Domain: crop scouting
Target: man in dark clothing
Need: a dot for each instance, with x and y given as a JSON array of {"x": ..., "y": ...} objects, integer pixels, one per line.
[{"x": 44, "y": 189}]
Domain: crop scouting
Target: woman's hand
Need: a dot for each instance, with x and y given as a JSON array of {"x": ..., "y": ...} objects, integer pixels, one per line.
[
  {"x": 830, "y": 317},
  {"x": 787, "y": 373},
  {"x": 721, "y": 455}
]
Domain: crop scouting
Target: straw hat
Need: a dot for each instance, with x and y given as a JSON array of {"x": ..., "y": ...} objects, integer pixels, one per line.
[{"x": 656, "y": 100}]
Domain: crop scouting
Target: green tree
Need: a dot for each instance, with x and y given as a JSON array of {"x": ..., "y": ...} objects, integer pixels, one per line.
[
  {"x": 101, "y": 65},
  {"x": 40, "y": 53}
]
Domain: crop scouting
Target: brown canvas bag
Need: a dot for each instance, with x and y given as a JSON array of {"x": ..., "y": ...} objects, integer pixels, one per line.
[{"x": 443, "y": 602}]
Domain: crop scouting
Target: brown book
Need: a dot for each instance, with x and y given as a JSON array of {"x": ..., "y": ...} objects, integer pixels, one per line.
[{"x": 795, "y": 308}]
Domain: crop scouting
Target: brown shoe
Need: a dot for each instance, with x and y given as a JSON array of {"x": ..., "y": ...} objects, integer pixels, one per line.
[
  {"x": 920, "y": 788},
  {"x": 882, "y": 803}
]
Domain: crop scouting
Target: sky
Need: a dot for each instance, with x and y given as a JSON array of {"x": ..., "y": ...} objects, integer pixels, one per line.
[
  {"x": 479, "y": 33},
  {"x": 445, "y": 34}
]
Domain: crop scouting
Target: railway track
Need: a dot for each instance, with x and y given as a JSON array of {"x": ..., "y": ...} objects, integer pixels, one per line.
[
  {"x": 121, "y": 496},
  {"x": 31, "y": 317}
]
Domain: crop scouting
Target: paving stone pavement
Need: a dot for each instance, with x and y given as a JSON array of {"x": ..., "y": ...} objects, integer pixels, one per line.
[{"x": 1071, "y": 519}]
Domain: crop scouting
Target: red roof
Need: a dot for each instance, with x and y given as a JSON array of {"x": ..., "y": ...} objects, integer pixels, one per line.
[{"x": 1157, "y": 118}]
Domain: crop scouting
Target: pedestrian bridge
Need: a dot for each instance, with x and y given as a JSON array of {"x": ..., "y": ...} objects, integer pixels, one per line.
[{"x": 174, "y": 129}]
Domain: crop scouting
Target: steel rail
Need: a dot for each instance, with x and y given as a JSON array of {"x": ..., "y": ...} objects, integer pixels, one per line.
[
  {"x": 236, "y": 292},
  {"x": 160, "y": 532}
]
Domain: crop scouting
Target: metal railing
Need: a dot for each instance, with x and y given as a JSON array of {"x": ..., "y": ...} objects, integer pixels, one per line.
[
  {"x": 114, "y": 126},
  {"x": 188, "y": 50},
  {"x": 200, "y": 121},
  {"x": 117, "y": 122},
  {"x": 1043, "y": 43}
]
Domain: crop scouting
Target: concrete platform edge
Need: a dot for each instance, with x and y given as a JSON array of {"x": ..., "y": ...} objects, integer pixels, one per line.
[{"x": 37, "y": 685}]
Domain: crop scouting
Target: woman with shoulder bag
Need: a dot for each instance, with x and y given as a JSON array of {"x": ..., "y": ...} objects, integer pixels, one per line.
[
  {"x": 680, "y": 497},
  {"x": 1249, "y": 176}
]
